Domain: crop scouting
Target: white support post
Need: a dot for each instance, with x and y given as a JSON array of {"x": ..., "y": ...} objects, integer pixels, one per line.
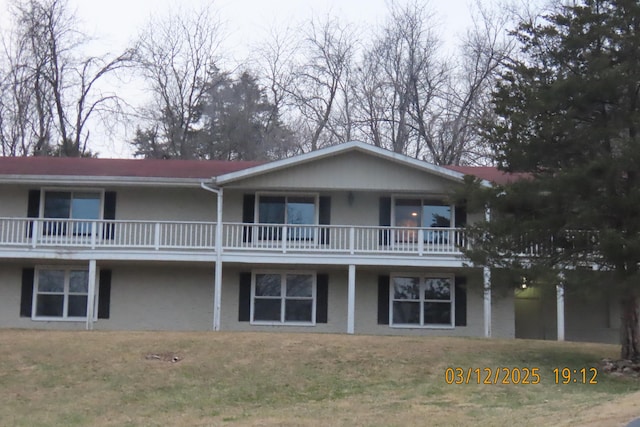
[
  {"x": 560, "y": 306},
  {"x": 351, "y": 300},
  {"x": 487, "y": 302},
  {"x": 91, "y": 294},
  {"x": 487, "y": 287},
  {"x": 217, "y": 292}
]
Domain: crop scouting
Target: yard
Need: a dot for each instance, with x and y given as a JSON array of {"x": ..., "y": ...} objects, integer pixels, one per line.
[{"x": 208, "y": 379}]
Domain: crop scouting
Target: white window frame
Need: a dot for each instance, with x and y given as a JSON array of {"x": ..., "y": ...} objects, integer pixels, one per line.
[
  {"x": 44, "y": 190},
  {"x": 316, "y": 203},
  {"x": 421, "y": 198},
  {"x": 66, "y": 293},
  {"x": 283, "y": 297},
  {"x": 422, "y": 284}
]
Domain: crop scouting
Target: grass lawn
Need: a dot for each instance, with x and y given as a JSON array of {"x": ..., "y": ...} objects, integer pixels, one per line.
[{"x": 256, "y": 379}]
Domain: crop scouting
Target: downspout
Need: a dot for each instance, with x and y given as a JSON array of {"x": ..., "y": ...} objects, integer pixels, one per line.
[{"x": 217, "y": 297}]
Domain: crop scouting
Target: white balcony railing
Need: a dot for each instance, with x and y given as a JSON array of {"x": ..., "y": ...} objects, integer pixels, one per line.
[
  {"x": 168, "y": 235},
  {"x": 342, "y": 239},
  {"x": 68, "y": 233}
]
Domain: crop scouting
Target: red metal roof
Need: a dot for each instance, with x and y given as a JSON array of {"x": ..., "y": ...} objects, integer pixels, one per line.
[
  {"x": 488, "y": 173},
  {"x": 143, "y": 168},
  {"x": 152, "y": 168}
]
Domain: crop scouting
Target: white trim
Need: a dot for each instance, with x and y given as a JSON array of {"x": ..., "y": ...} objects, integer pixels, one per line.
[
  {"x": 335, "y": 150},
  {"x": 283, "y": 297},
  {"x": 72, "y": 180},
  {"x": 421, "y": 281}
]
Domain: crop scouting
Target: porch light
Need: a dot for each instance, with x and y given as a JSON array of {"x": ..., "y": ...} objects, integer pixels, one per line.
[{"x": 414, "y": 213}]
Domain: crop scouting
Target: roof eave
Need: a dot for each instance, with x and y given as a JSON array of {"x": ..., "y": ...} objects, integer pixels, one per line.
[{"x": 102, "y": 180}]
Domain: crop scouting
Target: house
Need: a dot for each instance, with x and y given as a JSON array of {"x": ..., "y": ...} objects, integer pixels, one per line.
[{"x": 348, "y": 239}]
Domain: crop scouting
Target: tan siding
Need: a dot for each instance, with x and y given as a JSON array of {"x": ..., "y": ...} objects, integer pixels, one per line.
[
  {"x": 349, "y": 171},
  {"x": 165, "y": 204},
  {"x": 157, "y": 297},
  {"x": 13, "y": 201}
]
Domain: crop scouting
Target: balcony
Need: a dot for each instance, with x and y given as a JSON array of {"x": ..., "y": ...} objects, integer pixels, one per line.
[{"x": 151, "y": 239}]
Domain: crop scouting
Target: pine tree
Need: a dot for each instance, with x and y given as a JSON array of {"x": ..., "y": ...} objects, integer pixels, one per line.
[{"x": 567, "y": 116}]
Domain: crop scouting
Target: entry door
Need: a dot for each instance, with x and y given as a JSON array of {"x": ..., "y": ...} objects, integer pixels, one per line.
[{"x": 529, "y": 321}]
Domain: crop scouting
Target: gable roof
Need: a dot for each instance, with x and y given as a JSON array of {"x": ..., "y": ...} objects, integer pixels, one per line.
[
  {"x": 353, "y": 146},
  {"x": 152, "y": 171}
]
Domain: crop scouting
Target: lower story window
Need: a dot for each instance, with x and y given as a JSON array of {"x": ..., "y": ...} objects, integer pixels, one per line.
[
  {"x": 283, "y": 298},
  {"x": 421, "y": 301},
  {"x": 60, "y": 293}
]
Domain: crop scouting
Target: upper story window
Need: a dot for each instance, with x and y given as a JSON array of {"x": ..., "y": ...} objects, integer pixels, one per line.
[
  {"x": 71, "y": 205},
  {"x": 291, "y": 210},
  {"x": 422, "y": 213}
]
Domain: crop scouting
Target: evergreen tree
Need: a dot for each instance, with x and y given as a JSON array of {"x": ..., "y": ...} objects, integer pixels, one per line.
[{"x": 568, "y": 115}]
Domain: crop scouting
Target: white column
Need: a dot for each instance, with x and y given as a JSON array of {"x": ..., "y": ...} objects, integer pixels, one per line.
[
  {"x": 487, "y": 301},
  {"x": 351, "y": 300},
  {"x": 217, "y": 291},
  {"x": 560, "y": 307},
  {"x": 91, "y": 294},
  {"x": 487, "y": 286}
]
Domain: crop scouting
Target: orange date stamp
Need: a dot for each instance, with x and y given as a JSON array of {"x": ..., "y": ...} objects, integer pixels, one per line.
[
  {"x": 492, "y": 375},
  {"x": 525, "y": 375}
]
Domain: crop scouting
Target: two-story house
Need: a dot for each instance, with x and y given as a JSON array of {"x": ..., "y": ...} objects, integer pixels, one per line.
[{"x": 348, "y": 239}]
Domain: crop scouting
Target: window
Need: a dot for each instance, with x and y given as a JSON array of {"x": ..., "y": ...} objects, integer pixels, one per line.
[
  {"x": 290, "y": 210},
  {"x": 427, "y": 213},
  {"x": 71, "y": 205},
  {"x": 284, "y": 298},
  {"x": 60, "y": 293},
  {"x": 422, "y": 301}
]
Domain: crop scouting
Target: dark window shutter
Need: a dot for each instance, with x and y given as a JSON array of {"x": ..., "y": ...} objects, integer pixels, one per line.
[
  {"x": 322, "y": 295},
  {"x": 248, "y": 215},
  {"x": 324, "y": 218},
  {"x": 109, "y": 213},
  {"x": 385, "y": 220},
  {"x": 461, "y": 215},
  {"x": 383, "y": 300},
  {"x": 461, "y": 301},
  {"x": 104, "y": 294},
  {"x": 26, "y": 296},
  {"x": 33, "y": 208},
  {"x": 244, "y": 298}
]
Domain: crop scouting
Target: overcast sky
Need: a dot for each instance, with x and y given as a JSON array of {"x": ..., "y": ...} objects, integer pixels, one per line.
[{"x": 114, "y": 24}]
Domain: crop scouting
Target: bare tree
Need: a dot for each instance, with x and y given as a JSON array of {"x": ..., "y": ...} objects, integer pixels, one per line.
[
  {"x": 177, "y": 55},
  {"x": 399, "y": 78},
  {"x": 452, "y": 132},
  {"x": 320, "y": 91},
  {"x": 52, "y": 86}
]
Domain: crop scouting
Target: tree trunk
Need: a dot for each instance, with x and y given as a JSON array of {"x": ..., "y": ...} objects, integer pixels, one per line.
[{"x": 630, "y": 329}]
